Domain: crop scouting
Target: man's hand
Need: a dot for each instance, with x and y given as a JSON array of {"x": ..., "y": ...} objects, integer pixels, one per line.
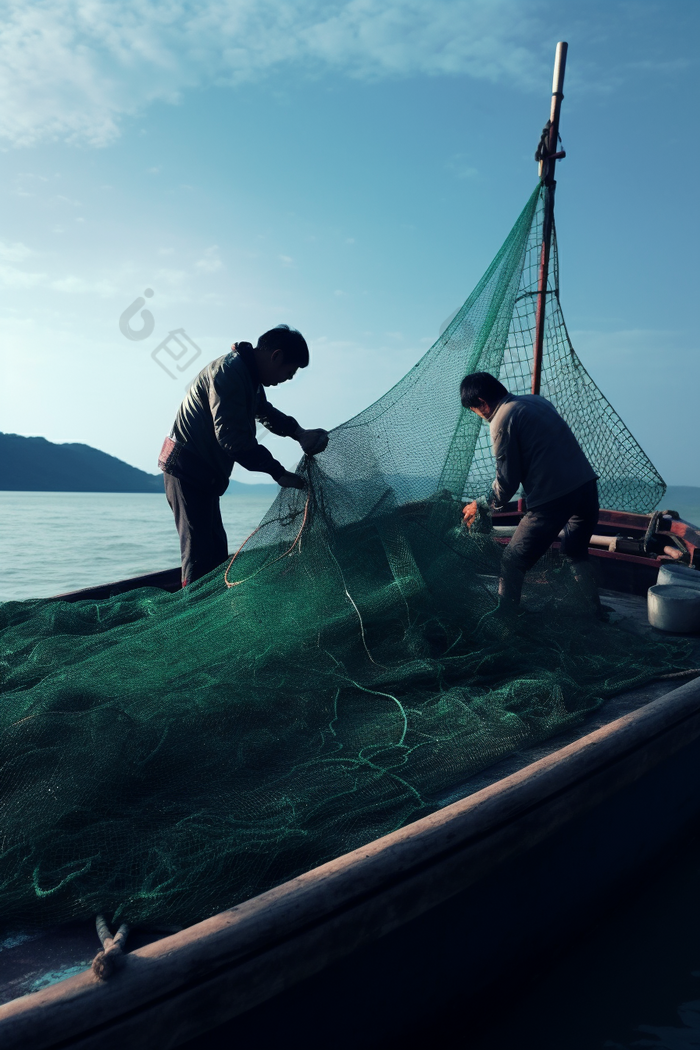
[
  {"x": 469, "y": 514},
  {"x": 312, "y": 441},
  {"x": 291, "y": 481}
]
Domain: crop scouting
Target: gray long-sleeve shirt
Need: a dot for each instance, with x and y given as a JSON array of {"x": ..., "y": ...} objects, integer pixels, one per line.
[
  {"x": 217, "y": 419},
  {"x": 533, "y": 446}
]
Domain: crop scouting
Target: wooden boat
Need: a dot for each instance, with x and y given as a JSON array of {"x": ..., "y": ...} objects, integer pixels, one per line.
[
  {"x": 456, "y": 904},
  {"x": 452, "y": 907}
]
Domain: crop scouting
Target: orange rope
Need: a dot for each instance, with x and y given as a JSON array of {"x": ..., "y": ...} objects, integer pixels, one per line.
[{"x": 237, "y": 583}]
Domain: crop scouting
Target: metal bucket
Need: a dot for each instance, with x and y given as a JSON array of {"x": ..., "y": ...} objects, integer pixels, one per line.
[
  {"x": 673, "y": 608},
  {"x": 678, "y": 576}
]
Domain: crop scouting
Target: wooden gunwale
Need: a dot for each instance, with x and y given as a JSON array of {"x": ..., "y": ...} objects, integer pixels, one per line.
[{"x": 248, "y": 954}]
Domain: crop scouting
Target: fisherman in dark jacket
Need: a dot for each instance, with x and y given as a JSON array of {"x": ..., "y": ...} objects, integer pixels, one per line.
[
  {"x": 535, "y": 448},
  {"x": 215, "y": 428}
]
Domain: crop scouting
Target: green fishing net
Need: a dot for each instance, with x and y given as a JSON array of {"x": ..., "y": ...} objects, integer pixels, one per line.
[{"x": 164, "y": 756}]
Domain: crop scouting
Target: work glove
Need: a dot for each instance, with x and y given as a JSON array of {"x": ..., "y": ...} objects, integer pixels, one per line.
[
  {"x": 477, "y": 515},
  {"x": 291, "y": 481},
  {"x": 470, "y": 514},
  {"x": 312, "y": 441}
]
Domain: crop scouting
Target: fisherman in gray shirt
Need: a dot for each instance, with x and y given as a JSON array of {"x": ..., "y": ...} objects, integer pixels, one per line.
[
  {"x": 215, "y": 428},
  {"x": 535, "y": 448}
]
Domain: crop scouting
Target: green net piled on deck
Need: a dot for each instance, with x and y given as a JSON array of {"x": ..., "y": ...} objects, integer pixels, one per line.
[{"x": 164, "y": 756}]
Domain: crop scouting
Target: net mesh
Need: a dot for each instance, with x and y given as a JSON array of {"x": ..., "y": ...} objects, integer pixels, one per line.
[{"x": 164, "y": 756}]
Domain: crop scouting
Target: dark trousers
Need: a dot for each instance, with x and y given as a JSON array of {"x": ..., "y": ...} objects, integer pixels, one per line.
[
  {"x": 576, "y": 513},
  {"x": 203, "y": 543}
]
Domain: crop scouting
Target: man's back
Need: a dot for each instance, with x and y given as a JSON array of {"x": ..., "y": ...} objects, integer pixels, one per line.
[
  {"x": 195, "y": 422},
  {"x": 533, "y": 446},
  {"x": 216, "y": 427},
  {"x": 217, "y": 419}
]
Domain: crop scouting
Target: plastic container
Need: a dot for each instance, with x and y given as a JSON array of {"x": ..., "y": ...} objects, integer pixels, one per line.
[
  {"x": 679, "y": 576},
  {"x": 674, "y": 609}
]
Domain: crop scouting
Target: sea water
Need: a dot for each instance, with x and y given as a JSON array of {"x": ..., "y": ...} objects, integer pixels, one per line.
[{"x": 52, "y": 542}]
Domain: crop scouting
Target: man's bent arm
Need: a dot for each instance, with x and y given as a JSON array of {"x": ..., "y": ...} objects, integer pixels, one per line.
[
  {"x": 311, "y": 441},
  {"x": 260, "y": 458},
  {"x": 232, "y": 430},
  {"x": 508, "y": 466},
  {"x": 273, "y": 420}
]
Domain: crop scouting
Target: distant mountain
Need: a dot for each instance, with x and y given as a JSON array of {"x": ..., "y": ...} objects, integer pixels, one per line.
[{"x": 33, "y": 464}]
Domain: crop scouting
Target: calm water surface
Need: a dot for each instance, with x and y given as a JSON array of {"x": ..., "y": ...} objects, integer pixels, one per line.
[{"x": 52, "y": 542}]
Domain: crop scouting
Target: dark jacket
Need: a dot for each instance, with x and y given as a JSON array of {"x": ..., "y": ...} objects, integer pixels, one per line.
[
  {"x": 216, "y": 423},
  {"x": 535, "y": 448}
]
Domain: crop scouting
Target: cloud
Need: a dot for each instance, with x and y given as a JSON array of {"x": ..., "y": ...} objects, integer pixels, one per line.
[
  {"x": 74, "y": 70},
  {"x": 12, "y": 277},
  {"x": 19, "y": 270},
  {"x": 79, "y": 286},
  {"x": 14, "y": 252},
  {"x": 210, "y": 261},
  {"x": 171, "y": 278}
]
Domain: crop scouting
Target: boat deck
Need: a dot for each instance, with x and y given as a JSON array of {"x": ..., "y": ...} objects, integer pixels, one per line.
[
  {"x": 31, "y": 961},
  {"x": 630, "y": 612}
]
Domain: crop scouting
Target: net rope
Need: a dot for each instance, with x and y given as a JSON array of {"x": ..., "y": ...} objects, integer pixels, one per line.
[{"x": 165, "y": 756}]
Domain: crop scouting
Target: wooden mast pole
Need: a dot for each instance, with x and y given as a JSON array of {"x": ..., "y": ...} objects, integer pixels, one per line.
[{"x": 548, "y": 159}]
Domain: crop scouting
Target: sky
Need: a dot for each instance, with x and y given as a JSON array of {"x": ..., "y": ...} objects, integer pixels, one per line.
[{"x": 348, "y": 167}]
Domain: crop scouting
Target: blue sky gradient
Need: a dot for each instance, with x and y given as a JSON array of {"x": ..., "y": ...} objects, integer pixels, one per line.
[{"x": 350, "y": 169}]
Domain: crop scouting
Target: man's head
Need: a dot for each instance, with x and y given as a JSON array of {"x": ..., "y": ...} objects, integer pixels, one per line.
[
  {"x": 482, "y": 393},
  {"x": 279, "y": 353}
]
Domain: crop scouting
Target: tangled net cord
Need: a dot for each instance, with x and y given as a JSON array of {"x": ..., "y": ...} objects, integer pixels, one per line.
[
  {"x": 267, "y": 565},
  {"x": 297, "y": 538},
  {"x": 689, "y": 673}
]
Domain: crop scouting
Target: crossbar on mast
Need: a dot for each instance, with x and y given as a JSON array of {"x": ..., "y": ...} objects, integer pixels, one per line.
[{"x": 548, "y": 156}]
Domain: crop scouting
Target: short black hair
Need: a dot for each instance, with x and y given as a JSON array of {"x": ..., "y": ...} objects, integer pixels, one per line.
[
  {"x": 481, "y": 386},
  {"x": 289, "y": 341}
]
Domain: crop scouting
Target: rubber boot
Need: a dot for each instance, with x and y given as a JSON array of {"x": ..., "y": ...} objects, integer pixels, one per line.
[
  {"x": 586, "y": 582},
  {"x": 495, "y": 626},
  {"x": 510, "y": 586}
]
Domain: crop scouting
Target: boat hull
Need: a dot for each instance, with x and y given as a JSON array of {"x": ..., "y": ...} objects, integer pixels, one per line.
[{"x": 455, "y": 904}]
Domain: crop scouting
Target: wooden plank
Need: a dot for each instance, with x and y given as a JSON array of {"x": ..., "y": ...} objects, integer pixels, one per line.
[{"x": 328, "y": 911}]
